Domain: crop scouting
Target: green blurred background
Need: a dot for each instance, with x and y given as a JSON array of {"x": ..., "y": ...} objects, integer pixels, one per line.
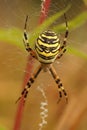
[{"x": 72, "y": 69}]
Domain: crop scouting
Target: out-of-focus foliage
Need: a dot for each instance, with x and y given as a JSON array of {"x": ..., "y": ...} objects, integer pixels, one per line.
[
  {"x": 77, "y": 52},
  {"x": 2, "y": 128},
  {"x": 73, "y": 24},
  {"x": 85, "y": 1},
  {"x": 14, "y": 35},
  {"x": 46, "y": 24}
]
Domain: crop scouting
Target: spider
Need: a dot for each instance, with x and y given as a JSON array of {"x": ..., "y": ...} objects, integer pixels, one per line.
[{"x": 47, "y": 50}]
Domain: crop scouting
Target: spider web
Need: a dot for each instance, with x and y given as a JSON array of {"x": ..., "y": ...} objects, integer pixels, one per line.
[
  {"x": 13, "y": 59},
  {"x": 16, "y": 18}
]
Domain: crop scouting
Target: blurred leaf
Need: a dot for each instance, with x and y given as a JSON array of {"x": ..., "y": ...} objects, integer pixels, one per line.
[
  {"x": 73, "y": 24},
  {"x": 45, "y": 25},
  {"x": 77, "y": 52},
  {"x": 85, "y": 1},
  {"x": 2, "y": 128},
  {"x": 14, "y": 35}
]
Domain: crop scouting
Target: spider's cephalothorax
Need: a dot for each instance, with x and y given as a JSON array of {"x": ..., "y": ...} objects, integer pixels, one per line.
[
  {"x": 47, "y": 46},
  {"x": 47, "y": 49}
]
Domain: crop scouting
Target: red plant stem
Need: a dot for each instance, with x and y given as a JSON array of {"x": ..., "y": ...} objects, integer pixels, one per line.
[
  {"x": 44, "y": 11},
  {"x": 20, "y": 109}
]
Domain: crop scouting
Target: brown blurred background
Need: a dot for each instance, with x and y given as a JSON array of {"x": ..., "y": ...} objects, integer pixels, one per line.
[{"x": 71, "y": 68}]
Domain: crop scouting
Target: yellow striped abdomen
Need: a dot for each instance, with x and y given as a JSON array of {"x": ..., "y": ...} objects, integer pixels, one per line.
[{"x": 47, "y": 46}]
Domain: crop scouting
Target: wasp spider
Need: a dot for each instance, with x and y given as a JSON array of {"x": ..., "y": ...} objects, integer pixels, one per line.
[{"x": 47, "y": 50}]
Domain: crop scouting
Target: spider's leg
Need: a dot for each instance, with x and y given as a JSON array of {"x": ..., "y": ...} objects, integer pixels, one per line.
[
  {"x": 59, "y": 83},
  {"x": 61, "y": 54},
  {"x": 66, "y": 34},
  {"x": 25, "y": 36},
  {"x": 62, "y": 48},
  {"x": 25, "y": 40},
  {"x": 31, "y": 80}
]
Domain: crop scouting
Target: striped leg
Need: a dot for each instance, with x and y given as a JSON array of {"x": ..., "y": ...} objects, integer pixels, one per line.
[
  {"x": 58, "y": 81},
  {"x": 25, "y": 40},
  {"x": 31, "y": 80},
  {"x": 62, "y": 49},
  {"x": 61, "y": 54}
]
